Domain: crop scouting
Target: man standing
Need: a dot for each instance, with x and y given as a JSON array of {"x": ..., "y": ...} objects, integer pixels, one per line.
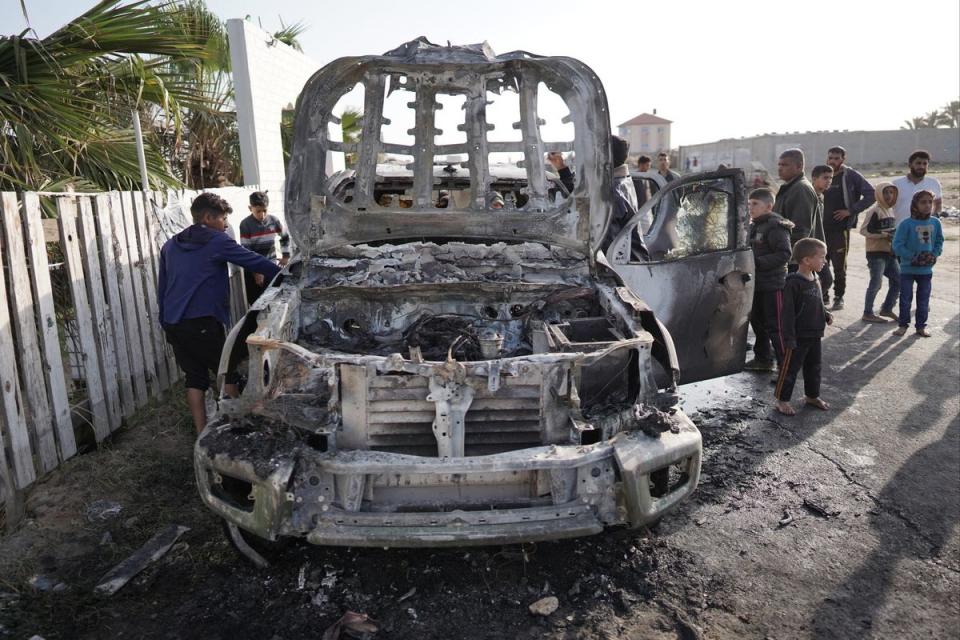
[
  {"x": 916, "y": 180},
  {"x": 796, "y": 199},
  {"x": 642, "y": 185},
  {"x": 848, "y": 194},
  {"x": 663, "y": 167}
]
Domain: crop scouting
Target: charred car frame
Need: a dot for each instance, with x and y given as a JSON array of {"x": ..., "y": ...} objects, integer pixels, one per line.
[{"x": 425, "y": 376}]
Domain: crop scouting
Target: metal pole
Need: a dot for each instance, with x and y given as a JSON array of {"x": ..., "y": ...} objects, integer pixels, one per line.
[{"x": 138, "y": 134}]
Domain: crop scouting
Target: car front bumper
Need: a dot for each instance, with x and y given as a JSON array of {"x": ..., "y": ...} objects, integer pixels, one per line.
[{"x": 274, "y": 485}]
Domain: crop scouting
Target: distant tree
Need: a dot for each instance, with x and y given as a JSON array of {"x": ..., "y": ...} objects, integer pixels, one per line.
[
  {"x": 951, "y": 112},
  {"x": 914, "y": 123}
]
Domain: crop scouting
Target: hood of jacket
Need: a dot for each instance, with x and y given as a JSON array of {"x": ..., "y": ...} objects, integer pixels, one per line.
[
  {"x": 774, "y": 218},
  {"x": 880, "y": 206},
  {"x": 195, "y": 237}
]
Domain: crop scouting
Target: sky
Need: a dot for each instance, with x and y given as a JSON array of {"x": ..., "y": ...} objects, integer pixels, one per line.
[{"x": 716, "y": 69}]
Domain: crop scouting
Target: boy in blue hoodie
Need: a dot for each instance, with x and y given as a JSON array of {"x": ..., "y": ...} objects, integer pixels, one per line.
[
  {"x": 918, "y": 242},
  {"x": 194, "y": 296}
]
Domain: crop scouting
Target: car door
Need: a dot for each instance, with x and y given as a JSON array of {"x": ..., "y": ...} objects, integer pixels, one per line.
[{"x": 699, "y": 279}]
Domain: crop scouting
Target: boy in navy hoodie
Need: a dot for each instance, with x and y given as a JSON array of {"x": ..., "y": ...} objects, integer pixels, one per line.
[
  {"x": 802, "y": 322},
  {"x": 194, "y": 296},
  {"x": 918, "y": 242}
]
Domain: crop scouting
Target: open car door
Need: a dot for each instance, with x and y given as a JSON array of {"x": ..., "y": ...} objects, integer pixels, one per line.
[{"x": 699, "y": 280}]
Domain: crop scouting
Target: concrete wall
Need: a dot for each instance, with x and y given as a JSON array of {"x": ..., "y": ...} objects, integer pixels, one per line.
[
  {"x": 267, "y": 76},
  {"x": 863, "y": 148}
]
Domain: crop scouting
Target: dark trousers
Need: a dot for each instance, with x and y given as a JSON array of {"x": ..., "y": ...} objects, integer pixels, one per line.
[
  {"x": 253, "y": 289},
  {"x": 806, "y": 356},
  {"x": 838, "y": 246},
  {"x": 924, "y": 285},
  {"x": 764, "y": 321}
]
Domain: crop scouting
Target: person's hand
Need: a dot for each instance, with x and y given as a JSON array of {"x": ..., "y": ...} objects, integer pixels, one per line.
[
  {"x": 829, "y": 317},
  {"x": 841, "y": 214},
  {"x": 258, "y": 279},
  {"x": 284, "y": 260},
  {"x": 556, "y": 159}
]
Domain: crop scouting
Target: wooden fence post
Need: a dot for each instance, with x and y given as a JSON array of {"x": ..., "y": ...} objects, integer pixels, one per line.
[
  {"x": 147, "y": 250},
  {"x": 49, "y": 334},
  {"x": 34, "y": 386},
  {"x": 130, "y": 309},
  {"x": 12, "y": 420},
  {"x": 102, "y": 320},
  {"x": 70, "y": 242},
  {"x": 110, "y": 265},
  {"x": 140, "y": 298}
]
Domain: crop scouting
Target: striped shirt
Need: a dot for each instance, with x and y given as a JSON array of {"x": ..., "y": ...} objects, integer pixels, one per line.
[{"x": 261, "y": 237}]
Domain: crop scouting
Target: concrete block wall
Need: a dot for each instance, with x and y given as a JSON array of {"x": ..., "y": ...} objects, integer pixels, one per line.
[
  {"x": 864, "y": 148},
  {"x": 268, "y": 76}
]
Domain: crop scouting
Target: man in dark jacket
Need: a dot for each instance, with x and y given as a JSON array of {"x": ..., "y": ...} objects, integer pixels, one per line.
[
  {"x": 770, "y": 240},
  {"x": 848, "y": 195},
  {"x": 796, "y": 199},
  {"x": 194, "y": 296}
]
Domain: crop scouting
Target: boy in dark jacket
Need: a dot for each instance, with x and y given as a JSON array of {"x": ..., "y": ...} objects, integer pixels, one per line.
[
  {"x": 770, "y": 240},
  {"x": 194, "y": 296},
  {"x": 802, "y": 321}
]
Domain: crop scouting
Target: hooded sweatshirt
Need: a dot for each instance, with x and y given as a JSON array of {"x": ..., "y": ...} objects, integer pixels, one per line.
[
  {"x": 879, "y": 222},
  {"x": 916, "y": 239},
  {"x": 770, "y": 241},
  {"x": 193, "y": 283}
]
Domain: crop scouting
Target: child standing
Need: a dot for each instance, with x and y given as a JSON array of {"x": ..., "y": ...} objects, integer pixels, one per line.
[
  {"x": 258, "y": 233},
  {"x": 802, "y": 322},
  {"x": 918, "y": 242},
  {"x": 770, "y": 240},
  {"x": 879, "y": 223}
]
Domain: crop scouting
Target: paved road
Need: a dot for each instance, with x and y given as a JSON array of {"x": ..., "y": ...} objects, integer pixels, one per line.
[{"x": 875, "y": 552}]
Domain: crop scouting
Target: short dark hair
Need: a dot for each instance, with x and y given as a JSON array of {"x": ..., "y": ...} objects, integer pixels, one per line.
[
  {"x": 644, "y": 160},
  {"x": 762, "y": 194},
  {"x": 619, "y": 148},
  {"x": 923, "y": 154},
  {"x": 209, "y": 203},
  {"x": 821, "y": 169},
  {"x": 663, "y": 154},
  {"x": 259, "y": 199},
  {"x": 806, "y": 248},
  {"x": 840, "y": 150},
  {"x": 794, "y": 155}
]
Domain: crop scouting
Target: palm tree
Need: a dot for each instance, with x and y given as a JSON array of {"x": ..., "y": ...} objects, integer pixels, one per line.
[
  {"x": 951, "y": 113},
  {"x": 914, "y": 123},
  {"x": 66, "y": 100}
]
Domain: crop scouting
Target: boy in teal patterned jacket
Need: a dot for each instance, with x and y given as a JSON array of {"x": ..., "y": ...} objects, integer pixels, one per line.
[{"x": 918, "y": 242}]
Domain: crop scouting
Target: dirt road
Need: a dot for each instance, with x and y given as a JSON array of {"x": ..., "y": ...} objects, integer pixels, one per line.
[{"x": 828, "y": 525}]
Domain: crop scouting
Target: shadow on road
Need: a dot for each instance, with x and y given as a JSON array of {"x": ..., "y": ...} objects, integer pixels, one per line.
[{"x": 917, "y": 510}]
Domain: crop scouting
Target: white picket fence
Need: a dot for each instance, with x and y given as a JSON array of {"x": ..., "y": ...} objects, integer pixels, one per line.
[{"x": 104, "y": 291}]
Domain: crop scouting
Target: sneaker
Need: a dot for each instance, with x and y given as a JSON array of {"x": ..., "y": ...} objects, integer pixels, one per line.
[
  {"x": 837, "y": 304},
  {"x": 899, "y": 331},
  {"x": 888, "y": 314},
  {"x": 922, "y": 332},
  {"x": 759, "y": 365},
  {"x": 872, "y": 317}
]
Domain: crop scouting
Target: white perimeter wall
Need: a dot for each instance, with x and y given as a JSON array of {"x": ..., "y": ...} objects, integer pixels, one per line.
[{"x": 267, "y": 77}]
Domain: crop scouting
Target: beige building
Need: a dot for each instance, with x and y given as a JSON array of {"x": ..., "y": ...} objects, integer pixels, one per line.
[{"x": 647, "y": 133}]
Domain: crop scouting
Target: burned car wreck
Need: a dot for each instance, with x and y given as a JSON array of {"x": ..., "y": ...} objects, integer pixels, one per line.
[{"x": 427, "y": 376}]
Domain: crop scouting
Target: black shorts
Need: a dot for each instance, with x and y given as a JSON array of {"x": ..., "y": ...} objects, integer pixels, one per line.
[{"x": 197, "y": 344}]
